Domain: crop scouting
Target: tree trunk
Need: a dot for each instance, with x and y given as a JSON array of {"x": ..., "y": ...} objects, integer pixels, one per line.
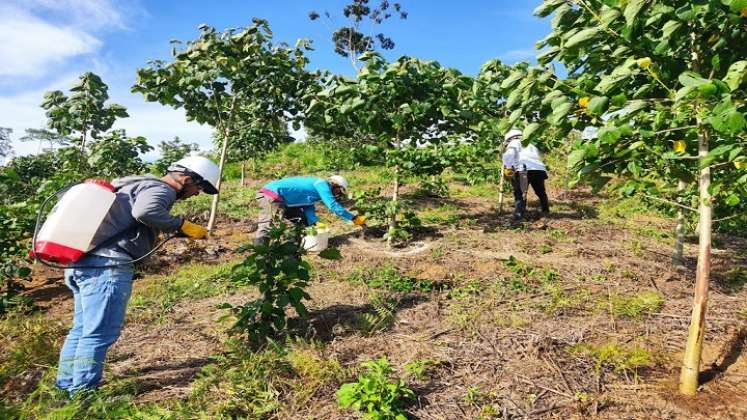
[
  {"x": 243, "y": 172},
  {"x": 500, "y": 192},
  {"x": 678, "y": 258},
  {"x": 691, "y": 362},
  {"x": 214, "y": 206},
  {"x": 83, "y": 143},
  {"x": 393, "y": 217},
  {"x": 501, "y": 182}
]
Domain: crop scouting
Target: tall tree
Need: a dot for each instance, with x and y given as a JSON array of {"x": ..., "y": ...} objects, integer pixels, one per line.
[
  {"x": 224, "y": 78},
  {"x": 404, "y": 106},
  {"x": 664, "y": 74},
  {"x": 353, "y": 39},
  {"x": 84, "y": 113}
]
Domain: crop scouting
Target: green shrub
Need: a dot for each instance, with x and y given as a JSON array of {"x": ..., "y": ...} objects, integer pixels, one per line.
[
  {"x": 281, "y": 274},
  {"x": 635, "y": 305},
  {"x": 389, "y": 278},
  {"x": 377, "y": 393},
  {"x": 621, "y": 358}
]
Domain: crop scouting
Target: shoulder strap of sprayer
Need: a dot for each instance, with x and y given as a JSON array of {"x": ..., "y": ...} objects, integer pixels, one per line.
[{"x": 129, "y": 229}]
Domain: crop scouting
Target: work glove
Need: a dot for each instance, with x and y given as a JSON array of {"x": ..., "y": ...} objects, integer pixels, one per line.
[
  {"x": 193, "y": 231},
  {"x": 359, "y": 220},
  {"x": 508, "y": 172}
]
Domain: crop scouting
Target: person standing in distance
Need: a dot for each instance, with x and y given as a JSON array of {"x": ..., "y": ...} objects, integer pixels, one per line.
[{"x": 524, "y": 167}]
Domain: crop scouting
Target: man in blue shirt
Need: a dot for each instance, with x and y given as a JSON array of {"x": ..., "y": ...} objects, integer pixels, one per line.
[{"x": 294, "y": 199}]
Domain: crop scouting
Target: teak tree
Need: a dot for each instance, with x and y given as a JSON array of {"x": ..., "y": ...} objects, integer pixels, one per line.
[
  {"x": 658, "y": 75},
  {"x": 224, "y": 78},
  {"x": 405, "y": 106},
  {"x": 83, "y": 115}
]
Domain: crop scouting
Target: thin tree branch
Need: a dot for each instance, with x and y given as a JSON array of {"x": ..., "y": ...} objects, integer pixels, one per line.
[{"x": 673, "y": 203}]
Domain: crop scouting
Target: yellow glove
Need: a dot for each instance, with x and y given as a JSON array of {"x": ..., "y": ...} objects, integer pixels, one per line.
[
  {"x": 193, "y": 231},
  {"x": 359, "y": 220},
  {"x": 508, "y": 172}
]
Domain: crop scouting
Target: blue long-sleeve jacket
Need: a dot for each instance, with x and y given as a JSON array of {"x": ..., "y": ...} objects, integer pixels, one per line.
[{"x": 305, "y": 191}]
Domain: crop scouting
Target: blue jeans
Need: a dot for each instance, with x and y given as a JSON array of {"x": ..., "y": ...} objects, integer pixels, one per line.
[{"x": 101, "y": 296}]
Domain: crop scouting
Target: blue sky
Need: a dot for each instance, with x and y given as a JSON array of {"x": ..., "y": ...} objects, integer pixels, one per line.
[{"x": 50, "y": 42}]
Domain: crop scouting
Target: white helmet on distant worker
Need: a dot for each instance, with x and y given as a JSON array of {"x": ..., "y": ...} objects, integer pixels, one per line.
[
  {"x": 203, "y": 167},
  {"x": 512, "y": 133},
  {"x": 339, "y": 180}
]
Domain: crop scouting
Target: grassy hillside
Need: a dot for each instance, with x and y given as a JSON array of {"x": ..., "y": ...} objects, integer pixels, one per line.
[{"x": 574, "y": 316}]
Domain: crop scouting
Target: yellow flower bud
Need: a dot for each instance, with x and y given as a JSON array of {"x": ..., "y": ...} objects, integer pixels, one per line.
[
  {"x": 644, "y": 62},
  {"x": 680, "y": 146},
  {"x": 583, "y": 102}
]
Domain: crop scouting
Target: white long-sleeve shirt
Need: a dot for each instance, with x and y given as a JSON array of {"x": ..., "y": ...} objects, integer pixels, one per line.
[{"x": 518, "y": 157}]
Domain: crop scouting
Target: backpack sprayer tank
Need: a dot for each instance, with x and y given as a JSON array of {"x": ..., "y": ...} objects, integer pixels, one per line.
[{"x": 70, "y": 228}]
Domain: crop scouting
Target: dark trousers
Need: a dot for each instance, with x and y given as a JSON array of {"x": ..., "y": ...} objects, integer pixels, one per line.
[{"x": 537, "y": 180}]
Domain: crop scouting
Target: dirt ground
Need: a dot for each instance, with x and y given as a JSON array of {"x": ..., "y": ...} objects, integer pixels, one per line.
[{"x": 510, "y": 358}]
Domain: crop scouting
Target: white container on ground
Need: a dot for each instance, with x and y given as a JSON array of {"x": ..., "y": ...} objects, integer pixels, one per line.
[{"x": 318, "y": 242}]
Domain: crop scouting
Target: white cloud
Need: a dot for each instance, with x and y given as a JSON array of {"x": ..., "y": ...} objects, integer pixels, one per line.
[
  {"x": 89, "y": 14},
  {"x": 151, "y": 120},
  {"x": 22, "y": 111},
  {"x": 158, "y": 123},
  {"x": 519, "y": 55},
  {"x": 31, "y": 47}
]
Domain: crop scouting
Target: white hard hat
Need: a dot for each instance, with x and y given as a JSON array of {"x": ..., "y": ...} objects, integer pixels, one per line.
[
  {"x": 339, "y": 180},
  {"x": 511, "y": 134},
  {"x": 203, "y": 167}
]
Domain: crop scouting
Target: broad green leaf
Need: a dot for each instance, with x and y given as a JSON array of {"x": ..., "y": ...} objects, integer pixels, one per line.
[
  {"x": 548, "y": 55},
  {"x": 514, "y": 117},
  {"x": 609, "y": 135},
  {"x": 547, "y": 7},
  {"x": 608, "y": 16},
  {"x": 732, "y": 200},
  {"x": 735, "y": 5},
  {"x": 282, "y": 300},
  {"x": 559, "y": 113},
  {"x": 686, "y": 13},
  {"x": 619, "y": 100},
  {"x": 550, "y": 97},
  {"x": 598, "y": 104},
  {"x": 295, "y": 295},
  {"x": 632, "y": 9},
  {"x": 513, "y": 98},
  {"x": 726, "y": 119},
  {"x": 560, "y": 14},
  {"x": 669, "y": 28},
  {"x": 735, "y": 152},
  {"x": 576, "y": 157},
  {"x": 684, "y": 92},
  {"x": 581, "y": 36},
  {"x": 736, "y": 74},
  {"x": 512, "y": 79},
  {"x": 690, "y": 78},
  {"x": 530, "y": 131}
]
